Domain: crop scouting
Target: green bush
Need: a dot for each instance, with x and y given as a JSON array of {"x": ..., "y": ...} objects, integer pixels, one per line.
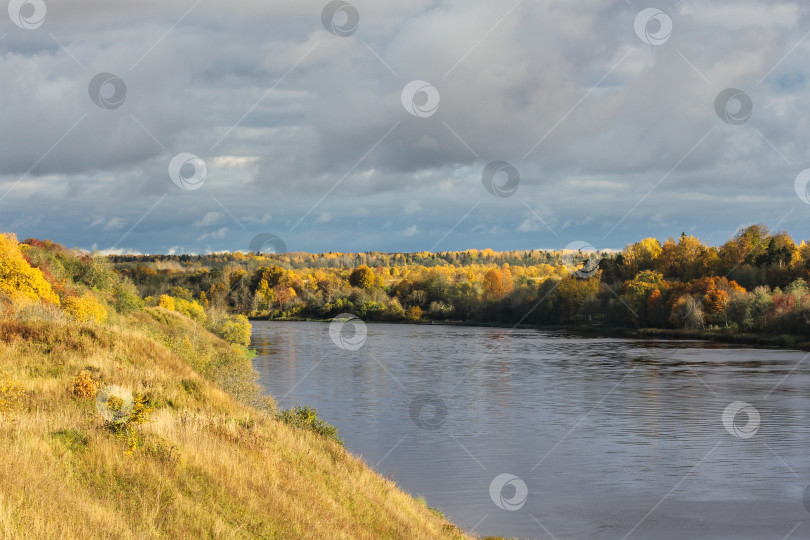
[
  {"x": 92, "y": 271},
  {"x": 234, "y": 329},
  {"x": 126, "y": 299},
  {"x": 73, "y": 439},
  {"x": 306, "y": 417},
  {"x": 179, "y": 292}
]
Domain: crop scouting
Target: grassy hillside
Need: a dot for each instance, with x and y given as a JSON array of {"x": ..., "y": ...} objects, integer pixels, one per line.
[{"x": 189, "y": 459}]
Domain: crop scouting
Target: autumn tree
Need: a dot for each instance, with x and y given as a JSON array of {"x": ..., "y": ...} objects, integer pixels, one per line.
[
  {"x": 656, "y": 314},
  {"x": 640, "y": 256},
  {"x": 688, "y": 313},
  {"x": 687, "y": 259},
  {"x": 18, "y": 280},
  {"x": 572, "y": 294},
  {"x": 273, "y": 275},
  {"x": 362, "y": 277},
  {"x": 498, "y": 283},
  {"x": 635, "y": 293},
  {"x": 779, "y": 253},
  {"x": 283, "y": 296}
]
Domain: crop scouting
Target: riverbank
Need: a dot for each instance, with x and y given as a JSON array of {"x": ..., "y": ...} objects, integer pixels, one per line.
[
  {"x": 188, "y": 459},
  {"x": 783, "y": 341}
]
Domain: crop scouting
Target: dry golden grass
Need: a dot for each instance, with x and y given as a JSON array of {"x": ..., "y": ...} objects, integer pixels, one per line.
[{"x": 208, "y": 466}]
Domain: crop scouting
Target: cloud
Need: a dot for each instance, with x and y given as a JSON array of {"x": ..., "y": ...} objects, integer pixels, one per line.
[
  {"x": 413, "y": 230},
  {"x": 114, "y": 224},
  {"x": 233, "y": 162},
  {"x": 216, "y": 235},
  {"x": 120, "y": 251},
  {"x": 211, "y": 218},
  {"x": 611, "y": 136},
  {"x": 530, "y": 224},
  {"x": 267, "y": 218}
]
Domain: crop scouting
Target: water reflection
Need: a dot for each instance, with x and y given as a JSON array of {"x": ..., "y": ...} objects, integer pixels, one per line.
[{"x": 601, "y": 430}]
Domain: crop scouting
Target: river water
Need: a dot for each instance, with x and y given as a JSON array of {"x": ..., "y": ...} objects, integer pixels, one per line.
[{"x": 536, "y": 434}]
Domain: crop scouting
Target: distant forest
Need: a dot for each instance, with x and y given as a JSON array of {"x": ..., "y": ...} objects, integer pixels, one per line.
[{"x": 755, "y": 282}]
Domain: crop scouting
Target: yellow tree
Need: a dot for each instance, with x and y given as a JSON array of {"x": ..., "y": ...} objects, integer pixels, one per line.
[
  {"x": 18, "y": 280},
  {"x": 362, "y": 277},
  {"x": 641, "y": 256},
  {"x": 498, "y": 283}
]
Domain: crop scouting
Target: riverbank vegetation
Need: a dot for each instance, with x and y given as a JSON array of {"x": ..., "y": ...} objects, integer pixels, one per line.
[
  {"x": 756, "y": 282},
  {"x": 121, "y": 418}
]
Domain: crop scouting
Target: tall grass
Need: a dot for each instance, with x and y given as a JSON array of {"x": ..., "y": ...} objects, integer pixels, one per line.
[{"x": 212, "y": 461}]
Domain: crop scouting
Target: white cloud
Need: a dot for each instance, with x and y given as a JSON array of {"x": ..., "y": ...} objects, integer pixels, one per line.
[
  {"x": 211, "y": 218},
  {"x": 219, "y": 234},
  {"x": 119, "y": 251},
  {"x": 114, "y": 224},
  {"x": 232, "y": 162},
  {"x": 413, "y": 230},
  {"x": 530, "y": 224},
  {"x": 266, "y": 218}
]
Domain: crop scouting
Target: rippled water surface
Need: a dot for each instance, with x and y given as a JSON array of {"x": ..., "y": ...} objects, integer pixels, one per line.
[{"x": 612, "y": 438}]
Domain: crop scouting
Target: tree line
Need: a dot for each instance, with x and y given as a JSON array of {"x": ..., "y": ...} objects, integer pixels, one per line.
[{"x": 755, "y": 282}]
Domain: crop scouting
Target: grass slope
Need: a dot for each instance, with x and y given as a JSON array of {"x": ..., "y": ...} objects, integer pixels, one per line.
[{"x": 203, "y": 466}]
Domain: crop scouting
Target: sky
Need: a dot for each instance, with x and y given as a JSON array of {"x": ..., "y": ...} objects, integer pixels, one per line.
[{"x": 195, "y": 126}]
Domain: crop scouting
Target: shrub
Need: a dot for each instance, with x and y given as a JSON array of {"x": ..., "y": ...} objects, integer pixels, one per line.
[
  {"x": 181, "y": 293},
  {"x": 395, "y": 311},
  {"x": 84, "y": 384},
  {"x": 39, "y": 312},
  {"x": 18, "y": 279},
  {"x": 10, "y": 392},
  {"x": 440, "y": 310},
  {"x": 126, "y": 299},
  {"x": 85, "y": 308},
  {"x": 93, "y": 271},
  {"x": 141, "y": 409},
  {"x": 166, "y": 301},
  {"x": 371, "y": 310},
  {"x": 190, "y": 309},
  {"x": 73, "y": 439},
  {"x": 306, "y": 417},
  {"x": 414, "y": 313},
  {"x": 234, "y": 329},
  {"x": 192, "y": 388},
  {"x": 123, "y": 424}
]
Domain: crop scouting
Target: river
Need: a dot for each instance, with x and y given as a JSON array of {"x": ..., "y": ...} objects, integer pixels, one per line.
[{"x": 536, "y": 434}]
